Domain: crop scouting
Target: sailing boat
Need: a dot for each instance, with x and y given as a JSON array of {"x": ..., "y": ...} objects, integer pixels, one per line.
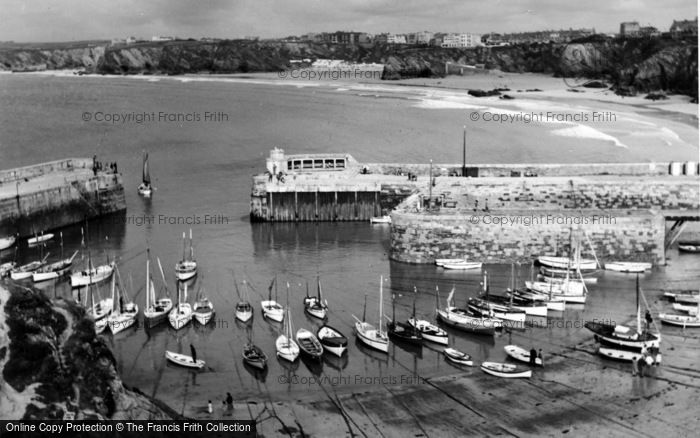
[
  {"x": 203, "y": 308},
  {"x": 287, "y": 349},
  {"x": 498, "y": 306},
  {"x": 124, "y": 311},
  {"x": 465, "y": 319},
  {"x": 56, "y": 269},
  {"x": 156, "y": 310},
  {"x": 244, "y": 311},
  {"x": 402, "y": 331},
  {"x": 92, "y": 274},
  {"x": 145, "y": 188},
  {"x": 26, "y": 271},
  {"x": 187, "y": 267},
  {"x": 632, "y": 340},
  {"x": 315, "y": 306},
  {"x": 271, "y": 308},
  {"x": 181, "y": 315},
  {"x": 101, "y": 308},
  {"x": 366, "y": 332},
  {"x": 428, "y": 330}
]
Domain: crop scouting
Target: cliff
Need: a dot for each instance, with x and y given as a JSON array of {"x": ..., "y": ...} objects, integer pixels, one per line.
[
  {"x": 632, "y": 65},
  {"x": 51, "y": 361}
]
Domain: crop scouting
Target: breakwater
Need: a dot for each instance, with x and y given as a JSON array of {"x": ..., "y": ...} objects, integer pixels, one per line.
[{"x": 55, "y": 194}]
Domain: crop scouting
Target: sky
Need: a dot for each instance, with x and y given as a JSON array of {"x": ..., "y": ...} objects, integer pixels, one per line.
[{"x": 71, "y": 20}]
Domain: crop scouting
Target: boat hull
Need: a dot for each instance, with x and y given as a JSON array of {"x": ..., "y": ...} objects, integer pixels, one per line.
[
  {"x": 287, "y": 349},
  {"x": 7, "y": 242},
  {"x": 680, "y": 320},
  {"x": 566, "y": 263},
  {"x": 180, "y": 317},
  {"x": 97, "y": 275},
  {"x": 627, "y": 267},
  {"x": 457, "y": 357},
  {"x": 462, "y": 266},
  {"x": 430, "y": 332},
  {"x": 332, "y": 340},
  {"x": 520, "y": 354},
  {"x": 370, "y": 337},
  {"x": 272, "y": 310},
  {"x": 626, "y": 355},
  {"x": 184, "y": 360},
  {"x": 505, "y": 370},
  {"x": 475, "y": 325}
]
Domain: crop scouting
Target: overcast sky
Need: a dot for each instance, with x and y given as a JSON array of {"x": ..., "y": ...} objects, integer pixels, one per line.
[{"x": 65, "y": 20}]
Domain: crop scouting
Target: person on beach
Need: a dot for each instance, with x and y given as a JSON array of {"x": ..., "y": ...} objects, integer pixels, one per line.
[
  {"x": 210, "y": 408},
  {"x": 229, "y": 400},
  {"x": 533, "y": 356},
  {"x": 539, "y": 356},
  {"x": 634, "y": 366},
  {"x": 640, "y": 365}
]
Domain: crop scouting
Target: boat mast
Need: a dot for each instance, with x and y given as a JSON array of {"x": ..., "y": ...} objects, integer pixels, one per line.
[
  {"x": 381, "y": 296},
  {"x": 184, "y": 247},
  {"x": 191, "y": 249},
  {"x": 114, "y": 281},
  {"x": 639, "y": 318},
  {"x": 364, "y": 310},
  {"x": 148, "y": 277},
  {"x": 165, "y": 283},
  {"x": 318, "y": 282}
]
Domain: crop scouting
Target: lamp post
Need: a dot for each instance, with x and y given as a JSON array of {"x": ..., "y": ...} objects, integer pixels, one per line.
[{"x": 464, "y": 152}]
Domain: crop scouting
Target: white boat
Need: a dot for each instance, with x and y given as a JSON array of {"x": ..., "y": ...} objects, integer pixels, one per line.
[
  {"x": 187, "y": 267},
  {"x": 462, "y": 266},
  {"x": 101, "y": 308},
  {"x": 557, "y": 305},
  {"x": 26, "y": 271},
  {"x": 565, "y": 287},
  {"x": 184, "y": 360},
  {"x": 520, "y": 354},
  {"x": 386, "y": 219},
  {"x": 458, "y": 357},
  {"x": 56, "y": 269},
  {"x": 157, "y": 309},
  {"x": 680, "y": 320},
  {"x": 145, "y": 188},
  {"x": 272, "y": 309},
  {"x": 627, "y": 267},
  {"x": 371, "y": 336},
  {"x": 7, "y": 242},
  {"x": 92, "y": 276},
  {"x": 505, "y": 370},
  {"x": 287, "y": 349},
  {"x": 124, "y": 311},
  {"x": 627, "y": 355},
  {"x": 689, "y": 296},
  {"x": 315, "y": 306},
  {"x": 39, "y": 239},
  {"x": 567, "y": 263},
  {"x": 465, "y": 319},
  {"x": 243, "y": 310},
  {"x": 332, "y": 340},
  {"x": 203, "y": 309},
  {"x": 689, "y": 246},
  {"x": 556, "y": 274},
  {"x": 486, "y": 308},
  {"x": 430, "y": 331},
  {"x": 691, "y": 309},
  {"x": 181, "y": 315},
  {"x": 441, "y": 262},
  {"x": 6, "y": 267}
]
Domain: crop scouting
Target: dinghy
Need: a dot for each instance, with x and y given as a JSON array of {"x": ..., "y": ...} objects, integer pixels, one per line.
[
  {"x": 520, "y": 354},
  {"x": 145, "y": 188},
  {"x": 430, "y": 331},
  {"x": 627, "y": 267},
  {"x": 187, "y": 267},
  {"x": 308, "y": 343},
  {"x": 462, "y": 266},
  {"x": 456, "y": 356},
  {"x": 254, "y": 356},
  {"x": 184, "y": 360},
  {"x": 157, "y": 309},
  {"x": 315, "y": 306},
  {"x": 369, "y": 335},
  {"x": 506, "y": 370},
  {"x": 332, "y": 340},
  {"x": 628, "y": 355},
  {"x": 386, "y": 219},
  {"x": 39, "y": 239},
  {"x": 7, "y": 242}
]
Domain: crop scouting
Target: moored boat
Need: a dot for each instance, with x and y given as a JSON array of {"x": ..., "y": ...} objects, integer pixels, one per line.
[
  {"x": 386, "y": 219},
  {"x": 287, "y": 349},
  {"x": 157, "y": 309},
  {"x": 402, "y": 331},
  {"x": 462, "y": 266},
  {"x": 628, "y": 355},
  {"x": 430, "y": 331},
  {"x": 315, "y": 306},
  {"x": 692, "y": 309},
  {"x": 184, "y": 360},
  {"x": 254, "y": 356},
  {"x": 93, "y": 275},
  {"x": 373, "y": 337},
  {"x": 466, "y": 320},
  {"x": 332, "y": 340},
  {"x": 124, "y": 311},
  {"x": 521, "y": 354},
  {"x": 6, "y": 267},
  {"x": 689, "y": 245},
  {"x": 39, "y": 239},
  {"x": 506, "y": 370},
  {"x": 7, "y": 242},
  {"x": 244, "y": 310},
  {"x": 309, "y": 345},
  {"x": 567, "y": 263},
  {"x": 627, "y": 267},
  {"x": 458, "y": 357},
  {"x": 187, "y": 267},
  {"x": 145, "y": 188},
  {"x": 56, "y": 269},
  {"x": 26, "y": 271},
  {"x": 203, "y": 308},
  {"x": 181, "y": 314},
  {"x": 680, "y": 320},
  {"x": 271, "y": 308}
]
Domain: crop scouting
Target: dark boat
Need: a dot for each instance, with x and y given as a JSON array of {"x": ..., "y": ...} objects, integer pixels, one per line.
[
  {"x": 332, "y": 340},
  {"x": 309, "y": 345},
  {"x": 254, "y": 356},
  {"x": 402, "y": 331}
]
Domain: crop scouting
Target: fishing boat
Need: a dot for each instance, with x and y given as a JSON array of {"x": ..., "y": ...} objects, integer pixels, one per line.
[
  {"x": 315, "y": 306},
  {"x": 184, "y": 360},
  {"x": 56, "y": 269},
  {"x": 271, "y": 308},
  {"x": 373, "y": 337},
  {"x": 628, "y": 355},
  {"x": 124, "y": 311},
  {"x": 92, "y": 276},
  {"x": 627, "y": 267},
  {"x": 181, "y": 314},
  {"x": 506, "y": 370},
  {"x": 39, "y": 239},
  {"x": 287, "y": 349},
  {"x": 386, "y": 219},
  {"x": 145, "y": 188},
  {"x": 555, "y": 304},
  {"x": 429, "y": 331},
  {"x": 157, "y": 309},
  {"x": 187, "y": 267},
  {"x": 254, "y": 356},
  {"x": 521, "y": 354},
  {"x": 624, "y": 337},
  {"x": 26, "y": 271},
  {"x": 332, "y": 340},
  {"x": 6, "y": 267},
  {"x": 403, "y": 331},
  {"x": 462, "y": 266},
  {"x": 567, "y": 263},
  {"x": 466, "y": 320},
  {"x": 309, "y": 344},
  {"x": 7, "y": 242},
  {"x": 686, "y": 296},
  {"x": 680, "y": 320},
  {"x": 203, "y": 308},
  {"x": 497, "y": 308},
  {"x": 555, "y": 274},
  {"x": 456, "y": 356},
  {"x": 692, "y": 308},
  {"x": 244, "y": 310},
  {"x": 567, "y": 288},
  {"x": 689, "y": 245},
  {"x": 100, "y": 308}
]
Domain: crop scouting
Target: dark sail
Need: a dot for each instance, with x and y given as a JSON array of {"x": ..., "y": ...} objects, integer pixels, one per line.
[{"x": 146, "y": 173}]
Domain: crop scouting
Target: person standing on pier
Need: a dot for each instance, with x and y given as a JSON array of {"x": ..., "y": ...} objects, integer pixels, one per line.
[
  {"x": 539, "y": 356},
  {"x": 210, "y": 408},
  {"x": 533, "y": 356}
]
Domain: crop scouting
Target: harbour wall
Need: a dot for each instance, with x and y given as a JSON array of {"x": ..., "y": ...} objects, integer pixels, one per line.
[{"x": 56, "y": 194}]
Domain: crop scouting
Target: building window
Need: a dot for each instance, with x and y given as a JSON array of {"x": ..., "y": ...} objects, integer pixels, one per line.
[
  {"x": 330, "y": 164},
  {"x": 318, "y": 164},
  {"x": 307, "y": 164},
  {"x": 340, "y": 164}
]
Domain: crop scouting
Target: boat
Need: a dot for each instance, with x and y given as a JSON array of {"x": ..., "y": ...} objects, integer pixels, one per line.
[
  {"x": 332, "y": 340},
  {"x": 521, "y": 354},
  {"x": 270, "y": 308},
  {"x": 505, "y": 370},
  {"x": 686, "y": 296},
  {"x": 56, "y": 269},
  {"x": 124, "y": 311},
  {"x": 441, "y": 262},
  {"x": 366, "y": 333},
  {"x": 567, "y": 288},
  {"x": 692, "y": 309},
  {"x": 498, "y": 307},
  {"x": 6, "y": 267},
  {"x": 101, "y": 308},
  {"x": 7, "y": 242},
  {"x": 39, "y": 239},
  {"x": 547, "y": 274},
  {"x": 386, "y": 219},
  {"x": 145, "y": 188},
  {"x": 680, "y": 320},
  {"x": 429, "y": 331},
  {"x": 184, "y": 360},
  {"x": 92, "y": 276},
  {"x": 466, "y": 320},
  {"x": 203, "y": 308},
  {"x": 627, "y": 355},
  {"x": 244, "y": 310},
  {"x": 462, "y": 266},
  {"x": 309, "y": 344},
  {"x": 624, "y": 337},
  {"x": 315, "y": 306},
  {"x": 555, "y": 304},
  {"x": 403, "y": 331},
  {"x": 627, "y": 267},
  {"x": 689, "y": 245},
  {"x": 566, "y": 263},
  {"x": 287, "y": 349},
  {"x": 187, "y": 267},
  {"x": 26, "y": 271},
  {"x": 181, "y": 314},
  {"x": 157, "y": 309},
  {"x": 254, "y": 356},
  {"x": 456, "y": 356}
]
